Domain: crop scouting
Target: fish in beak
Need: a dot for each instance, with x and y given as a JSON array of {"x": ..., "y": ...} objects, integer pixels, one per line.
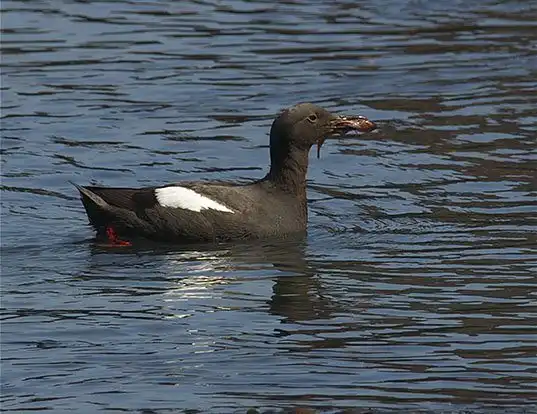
[{"x": 340, "y": 125}]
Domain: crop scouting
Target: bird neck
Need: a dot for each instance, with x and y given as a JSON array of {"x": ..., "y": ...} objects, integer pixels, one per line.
[{"x": 288, "y": 168}]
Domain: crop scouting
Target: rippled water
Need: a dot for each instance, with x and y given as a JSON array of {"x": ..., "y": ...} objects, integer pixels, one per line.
[{"x": 416, "y": 286}]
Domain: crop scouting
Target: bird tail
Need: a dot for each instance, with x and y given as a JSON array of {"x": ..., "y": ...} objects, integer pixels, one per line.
[
  {"x": 110, "y": 219},
  {"x": 99, "y": 212},
  {"x": 90, "y": 196}
]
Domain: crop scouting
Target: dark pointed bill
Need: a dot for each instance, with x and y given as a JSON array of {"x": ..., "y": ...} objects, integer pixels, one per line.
[{"x": 340, "y": 125}]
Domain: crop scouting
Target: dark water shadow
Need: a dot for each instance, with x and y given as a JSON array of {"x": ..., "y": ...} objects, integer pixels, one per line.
[{"x": 297, "y": 291}]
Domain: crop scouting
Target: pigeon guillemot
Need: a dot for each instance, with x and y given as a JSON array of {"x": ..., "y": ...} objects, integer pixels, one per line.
[{"x": 274, "y": 206}]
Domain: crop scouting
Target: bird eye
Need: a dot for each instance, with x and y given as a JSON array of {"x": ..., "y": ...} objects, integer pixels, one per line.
[{"x": 312, "y": 118}]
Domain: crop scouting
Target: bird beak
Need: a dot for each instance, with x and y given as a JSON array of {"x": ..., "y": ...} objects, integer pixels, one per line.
[{"x": 340, "y": 125}]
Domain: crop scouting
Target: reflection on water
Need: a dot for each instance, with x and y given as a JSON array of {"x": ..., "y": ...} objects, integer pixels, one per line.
[{"x": 415, "y": 288}]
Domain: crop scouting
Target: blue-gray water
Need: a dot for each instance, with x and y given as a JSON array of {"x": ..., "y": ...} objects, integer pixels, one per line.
[{"x": 415, "y": 288}]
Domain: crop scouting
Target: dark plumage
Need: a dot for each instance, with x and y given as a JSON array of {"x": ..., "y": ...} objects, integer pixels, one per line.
[{"x": 274, "y": 206}]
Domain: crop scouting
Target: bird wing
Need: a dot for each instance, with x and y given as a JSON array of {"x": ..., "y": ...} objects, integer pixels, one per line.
[{"x": 134, "y": 199}]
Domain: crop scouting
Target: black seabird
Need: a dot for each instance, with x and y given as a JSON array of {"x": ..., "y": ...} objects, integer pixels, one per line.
[{"x": 274, "y": 206}]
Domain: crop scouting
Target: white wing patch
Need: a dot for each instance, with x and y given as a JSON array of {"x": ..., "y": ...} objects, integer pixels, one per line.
[{"x": 181, "y": 197}]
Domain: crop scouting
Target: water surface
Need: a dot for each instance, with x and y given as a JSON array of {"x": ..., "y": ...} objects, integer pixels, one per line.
[{"x": 415, "y": 287}]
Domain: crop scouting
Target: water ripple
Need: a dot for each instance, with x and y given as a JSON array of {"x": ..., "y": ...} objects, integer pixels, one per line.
[{"x": 414, "y": 289}]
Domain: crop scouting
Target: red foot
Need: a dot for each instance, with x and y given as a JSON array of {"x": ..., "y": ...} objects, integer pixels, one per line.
[{"x": 114, "y": 239}]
